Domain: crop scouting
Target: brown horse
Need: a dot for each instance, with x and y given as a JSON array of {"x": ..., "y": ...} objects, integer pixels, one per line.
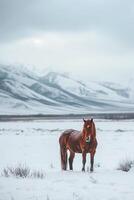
[{"x": 78, "y": 142}]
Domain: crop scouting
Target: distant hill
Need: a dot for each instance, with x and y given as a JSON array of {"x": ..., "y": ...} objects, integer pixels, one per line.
[{"x": 25, "y": 92}]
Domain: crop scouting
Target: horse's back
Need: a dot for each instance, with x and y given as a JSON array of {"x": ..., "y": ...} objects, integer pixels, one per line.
[
  {"x": 65, "y": 135},
  {"x": 68, "y": 131}
]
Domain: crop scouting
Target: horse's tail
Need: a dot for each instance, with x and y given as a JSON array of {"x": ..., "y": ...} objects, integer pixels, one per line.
[
  {"x": 63, "y": 147},
  {"x": 63, "y": 154}
]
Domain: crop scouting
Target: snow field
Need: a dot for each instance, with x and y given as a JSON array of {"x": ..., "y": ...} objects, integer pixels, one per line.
[{"x": 35, "y": 144}]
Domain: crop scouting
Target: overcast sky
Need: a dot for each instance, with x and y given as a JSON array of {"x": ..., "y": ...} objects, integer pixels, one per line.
[{"x": 92, "y": 39}]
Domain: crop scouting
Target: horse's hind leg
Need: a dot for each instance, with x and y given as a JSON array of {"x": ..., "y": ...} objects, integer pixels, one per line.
[{"x": 71, "y": 157}]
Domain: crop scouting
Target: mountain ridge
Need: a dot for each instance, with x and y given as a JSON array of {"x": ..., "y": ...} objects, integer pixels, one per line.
[{"x": 22, "y": 91}]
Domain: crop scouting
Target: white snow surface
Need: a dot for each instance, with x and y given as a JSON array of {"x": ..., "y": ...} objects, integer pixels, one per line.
[{"x": 35, "y": 144}]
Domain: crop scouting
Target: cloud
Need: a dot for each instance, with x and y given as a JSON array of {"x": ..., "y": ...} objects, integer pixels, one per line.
[
  {"x": 84, "y": 54},
  {"x": 23, "y": 18},
  {"x": 90, "y": 37}
]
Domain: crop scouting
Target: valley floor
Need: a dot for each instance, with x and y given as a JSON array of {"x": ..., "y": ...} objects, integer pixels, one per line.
[{"x": 35, "y": 144}]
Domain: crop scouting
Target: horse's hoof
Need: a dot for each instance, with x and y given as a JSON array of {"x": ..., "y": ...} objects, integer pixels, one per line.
[
  {"x": 83, "y": 170},
  {"x": 64, "y": 169},
  {"x": 91, "y": 170}
]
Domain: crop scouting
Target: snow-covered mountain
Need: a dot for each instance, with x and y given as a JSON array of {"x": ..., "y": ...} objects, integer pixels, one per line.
[{"x": 24, "y": 92}]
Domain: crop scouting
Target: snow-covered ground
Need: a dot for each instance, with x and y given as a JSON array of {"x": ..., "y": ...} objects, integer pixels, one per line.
[{"x": 35, "y": 144}]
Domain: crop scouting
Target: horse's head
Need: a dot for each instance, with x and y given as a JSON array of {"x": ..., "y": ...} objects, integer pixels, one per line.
[{"x": 88, "y": 130}]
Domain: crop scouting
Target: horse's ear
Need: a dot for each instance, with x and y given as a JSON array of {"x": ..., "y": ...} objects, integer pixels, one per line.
[
  {"x": 84, "y": 120},
  {"x": 91, "y": 120}
]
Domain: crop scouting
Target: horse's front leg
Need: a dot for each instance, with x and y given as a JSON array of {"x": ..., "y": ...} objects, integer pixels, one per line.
[
  {"x": 92, "y": 161},
  {"x": 83, "y": 160}
]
